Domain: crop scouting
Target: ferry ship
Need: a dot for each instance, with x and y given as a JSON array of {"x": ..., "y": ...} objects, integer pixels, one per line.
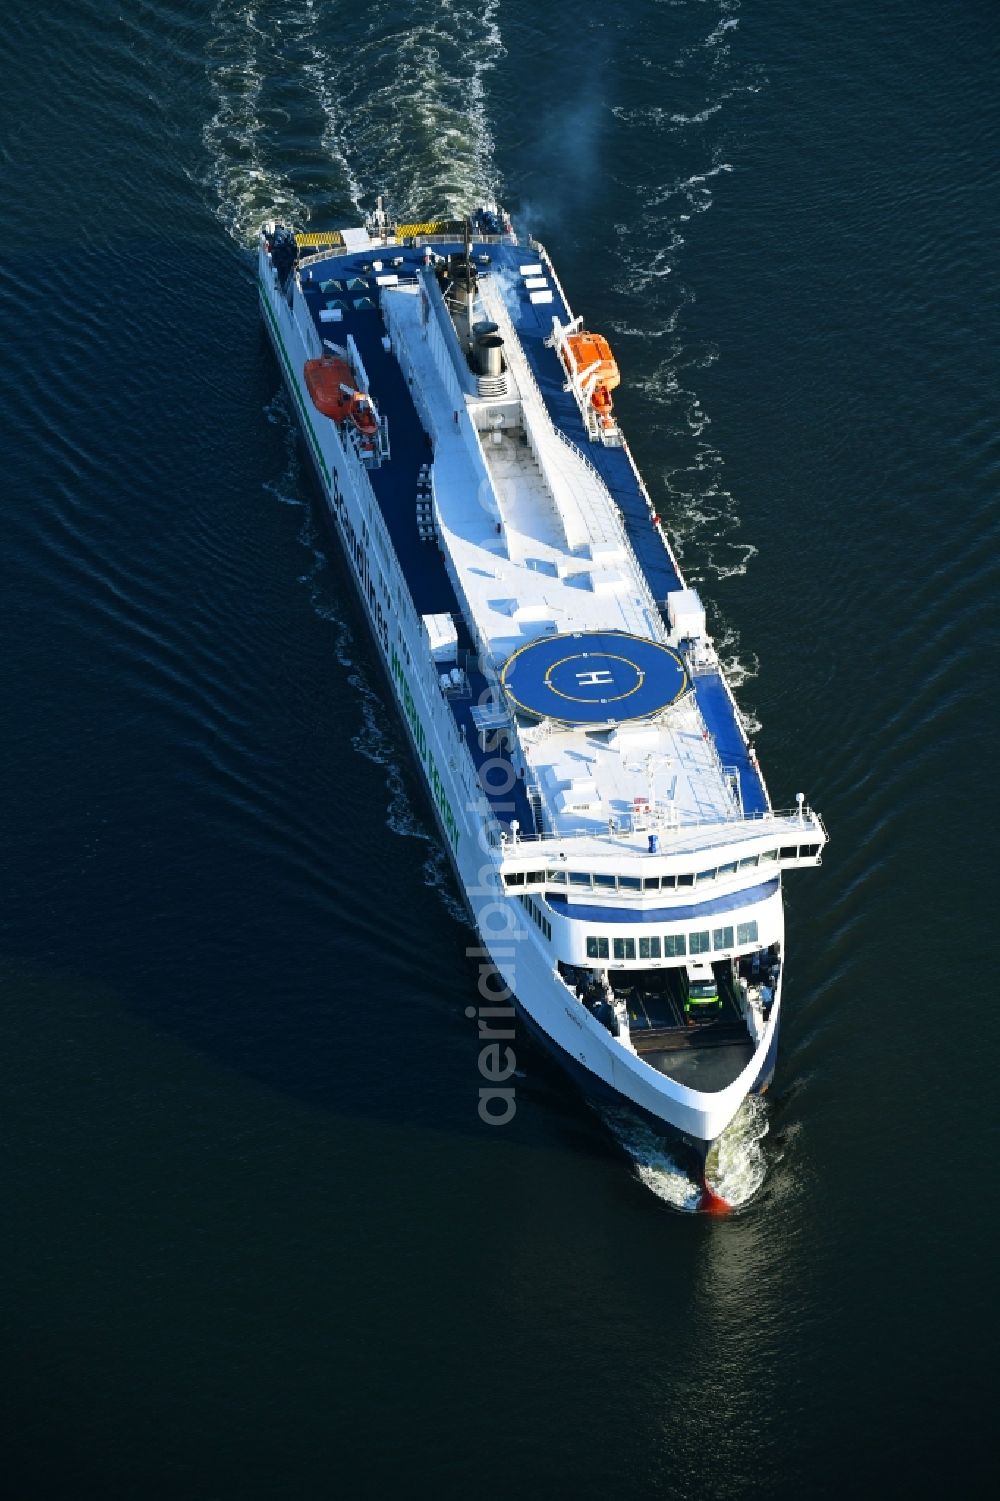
[{"x": 594, "y": 783}]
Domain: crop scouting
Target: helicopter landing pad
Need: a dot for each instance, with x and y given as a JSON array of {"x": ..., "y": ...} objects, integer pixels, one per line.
[{"x": 594, "y": 678}]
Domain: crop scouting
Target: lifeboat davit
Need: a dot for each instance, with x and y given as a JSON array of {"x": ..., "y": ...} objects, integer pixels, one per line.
[
  {"x": 331, "y": 384},
  {"x": 589, "y": 358}
]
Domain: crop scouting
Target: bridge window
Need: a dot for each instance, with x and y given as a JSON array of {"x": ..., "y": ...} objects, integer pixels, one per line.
[
  {"x": 748, "y": 862},
  {"x": 768, "y": 856},
  {"x": 674, "y": 946},
  {"x": 606, "y": 883},
  {"x": 685, "y": 880},
  {"x": 597, "y": 948},
  {"x": 746, "y": 932},
  {"x": 535, "y": 877},
  {"x": 722, "y": 938},
  {"x": 789, "y": 852},
  {"x": 649, "y": 948},
  {"x": 728, "y": 870},
  {"x": 624, "y": 948},
  {"x": 514, "y": 878},
  {"x": 705, "y": 876},
  {"x": 807, "y": 851},
  {"x": 629, "y": 883},
  {"x": 669, "y": 882},
  {"x": 701, "y": 942},
  {"x": 557, "y": 877},
  {"x": 579, "y": 878},
  {"x": 650, "y": 883}
]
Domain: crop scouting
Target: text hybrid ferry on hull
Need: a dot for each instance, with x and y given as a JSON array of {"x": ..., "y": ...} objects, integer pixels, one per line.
[{"x": 593, "y": 781}]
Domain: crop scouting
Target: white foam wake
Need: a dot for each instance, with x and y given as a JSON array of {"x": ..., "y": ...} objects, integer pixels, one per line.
[
  {"x": 247, "y": 185},
  {"x": 737, "y": 1165},
  {"x": 319, "y": 110},
  {"x": 409, "y": 112},
  {"x": 740, "y": 1164}
]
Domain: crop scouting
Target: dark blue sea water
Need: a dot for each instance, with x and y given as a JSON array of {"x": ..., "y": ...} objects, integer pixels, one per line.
[{"x": 256, "y": 1241}]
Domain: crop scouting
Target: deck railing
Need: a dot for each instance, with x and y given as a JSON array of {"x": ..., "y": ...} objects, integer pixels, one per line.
[
  {"x": 392, "y": 243},
  {"x": 660, "y": 820}
]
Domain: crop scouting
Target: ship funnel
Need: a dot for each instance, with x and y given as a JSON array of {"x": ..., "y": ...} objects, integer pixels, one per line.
[{"x": 489, "y": 354}]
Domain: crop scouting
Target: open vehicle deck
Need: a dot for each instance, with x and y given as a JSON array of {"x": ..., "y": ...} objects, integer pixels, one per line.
[{"x": 703, "y": 1053}]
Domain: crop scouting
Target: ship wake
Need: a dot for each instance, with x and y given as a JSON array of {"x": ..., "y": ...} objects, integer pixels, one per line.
[
  {"x": 737, "y": 1165},
  {"x": 317, "y": 111}
]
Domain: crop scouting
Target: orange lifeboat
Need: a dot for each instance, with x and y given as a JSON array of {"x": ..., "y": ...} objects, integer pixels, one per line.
[
  {"x": 588, "y": 358},
  {"x": 331, "y": 384}
]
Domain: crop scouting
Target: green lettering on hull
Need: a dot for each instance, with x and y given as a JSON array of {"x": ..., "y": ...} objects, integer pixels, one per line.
[
  {"x": 434, "y": 780},
  {"x": 293, "y": 384}
]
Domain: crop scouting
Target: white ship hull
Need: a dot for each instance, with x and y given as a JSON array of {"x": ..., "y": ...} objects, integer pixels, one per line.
[
  {"x": 455, "y": 796},
  {"x": 625, "y": 880}
]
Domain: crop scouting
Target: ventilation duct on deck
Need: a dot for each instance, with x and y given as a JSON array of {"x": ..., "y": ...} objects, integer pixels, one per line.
[{"x": 489, "y": 355}]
